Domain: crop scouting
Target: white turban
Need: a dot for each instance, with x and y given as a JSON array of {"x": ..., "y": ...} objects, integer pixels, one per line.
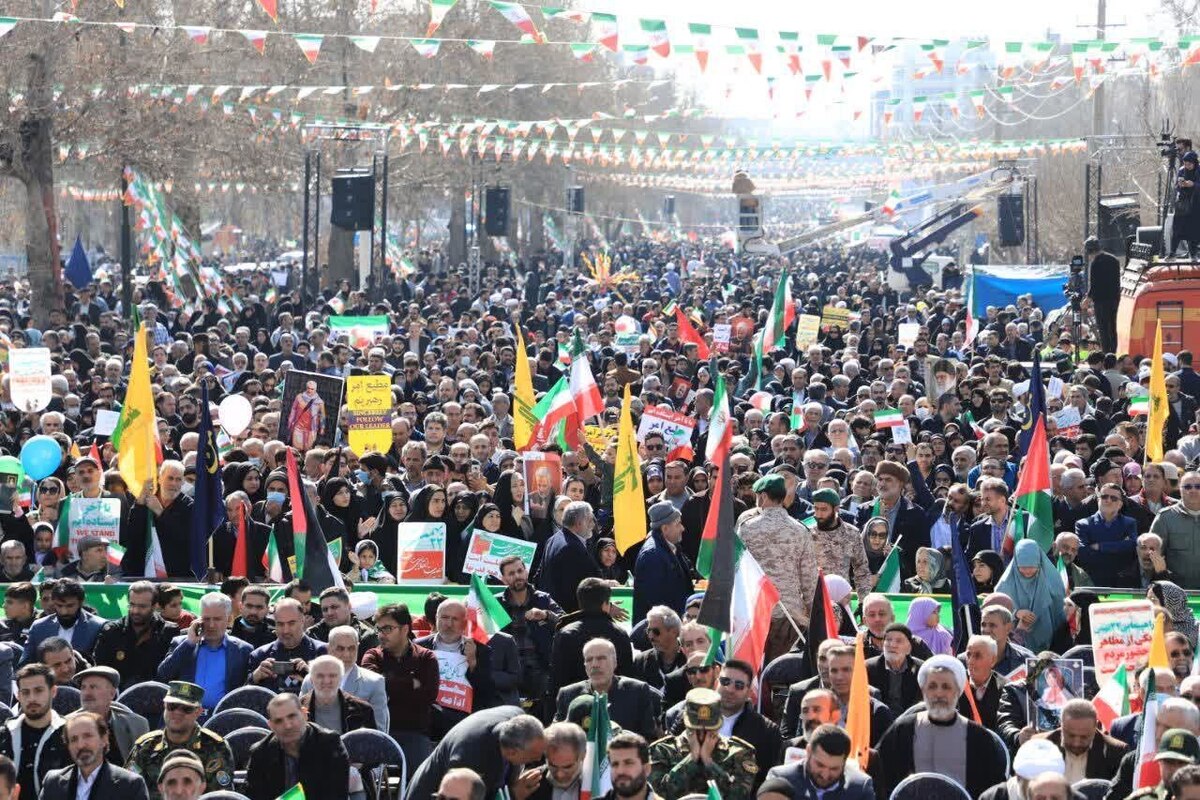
[
  {"x": 1037, "y": 756},
  {"x": 943, "y": 662}
]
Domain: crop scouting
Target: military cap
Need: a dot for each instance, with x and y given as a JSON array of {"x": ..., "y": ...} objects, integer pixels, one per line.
[
  {"x": 773, "y": 485},
  {"x": 829, "y": 496},
  {"x": 702, "y": 710},
  {"x": 1178, "y": 744},
  {"x": 184, "y": 692}
]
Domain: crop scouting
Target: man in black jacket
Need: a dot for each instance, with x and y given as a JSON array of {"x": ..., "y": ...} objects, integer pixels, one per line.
[
  {"x": 534, "y": 615},
  {"x": 593, "y": 620},
  {"x": 894, "y": 673},
  {"x": 566, "y": 562},
  {"x": 450, "y": 636},
  {"x": 136, "y": 644},
  {"x": 664, "y": 655},
  {"x": 742, "y": 721},
  {"x": 632, "y": 704},
  {"x": 297, "y": 751},
  {"x": 253, "y": 626},
  {"x": 87, "y": 741},
  {"x": 1104, "y": 290}
]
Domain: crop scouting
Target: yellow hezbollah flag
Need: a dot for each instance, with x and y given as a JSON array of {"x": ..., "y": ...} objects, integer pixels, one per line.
[
  {"x": 1158, "y": 644},
  {"x": 134, "y": 437},
  {"x": 858, "y": 710},
  {"x": 1157, "y": 421},
  {"x": 629, "y": 500},
  {"x": 523, "y": 420}
]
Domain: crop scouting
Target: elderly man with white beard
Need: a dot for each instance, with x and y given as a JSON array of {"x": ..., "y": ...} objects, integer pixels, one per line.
[{"x": 938, "y": 739}]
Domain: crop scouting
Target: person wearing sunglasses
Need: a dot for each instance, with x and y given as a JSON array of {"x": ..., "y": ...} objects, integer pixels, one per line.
[
  {"x": 1108, "y": 539},
  {"x": 739, "y": 718},
  {"x": 1177, "y": 526},
  {"x": 182, "y": 707}
]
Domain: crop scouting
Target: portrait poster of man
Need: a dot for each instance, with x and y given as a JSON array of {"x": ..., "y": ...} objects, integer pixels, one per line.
[
  {"x": 309, "y": 411},
  {"x": 543, "y": 478},
  {"x": 1051, "y": 683}
]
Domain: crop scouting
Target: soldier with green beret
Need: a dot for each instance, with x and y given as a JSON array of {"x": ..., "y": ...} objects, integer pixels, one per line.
[
  {"x": 687, "y": 762},
  {"x": 182, "y": 708}
]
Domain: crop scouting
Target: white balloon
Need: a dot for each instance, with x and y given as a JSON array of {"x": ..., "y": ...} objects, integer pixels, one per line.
[{"x": 235, "y": 414}]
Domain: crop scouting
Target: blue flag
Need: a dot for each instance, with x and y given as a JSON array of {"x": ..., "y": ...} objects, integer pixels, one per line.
[
  {"x": 79, "y": 271},
  {"x": 964, "y": 601},
  {"x": 208, "y": 509},
  {"x": 1036, "y": 407}
]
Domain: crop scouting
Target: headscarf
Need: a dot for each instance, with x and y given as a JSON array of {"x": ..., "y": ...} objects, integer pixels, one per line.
[
  {"x": 937, "y": 572},
  {"x": 938, "y": 638},
  {"x": 875, "y": 558},
  {"x": 1174, "y": 600},
  {"x": 995, "y": 562},
  {"x": 385, "y": 533},
  {"x": 503, "y": 498},
  {"x": 839, "y": 591},
  {"x": 377, "y": 572},
  {"x": 348, "y": 516},
  {"x": 418, "y": 505},
  {"x": 1043, "y": 594}
]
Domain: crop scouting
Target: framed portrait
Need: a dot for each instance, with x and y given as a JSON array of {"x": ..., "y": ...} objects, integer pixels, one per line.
[
  {"x": 1051, "y": 683},
  {"x": 308, "y": 413}
]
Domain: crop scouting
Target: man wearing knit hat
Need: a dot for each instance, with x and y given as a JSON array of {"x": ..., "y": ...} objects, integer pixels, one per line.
[
  {"x": 784, "y": 549},
  {"x": 839, "y": 545},
  {"x": 905, "y": 520},
  {"x": 662, "y": 574},
  {"x": 939, "y": 739},
  {"x": 182, "y": 777}
]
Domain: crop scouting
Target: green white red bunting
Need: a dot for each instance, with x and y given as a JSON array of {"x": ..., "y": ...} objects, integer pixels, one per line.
[
  {"x": 517, "y": 15},
  {"x": 484, "y": 47},
  {"x": 256, "y": 38},
  {"x": 7, "y": 24},
  {"x": 271, "y": 7},
  {"x": 606, "y": 30},
  {"x": 426, "y": 48},
  {"x": 660, "y": 41},
  {"x": 437, "y": 12},
  {"x": 310, "y": 45}
]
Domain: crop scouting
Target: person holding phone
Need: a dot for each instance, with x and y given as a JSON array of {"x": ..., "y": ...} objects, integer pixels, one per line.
[{"x": 282, "y": 664}]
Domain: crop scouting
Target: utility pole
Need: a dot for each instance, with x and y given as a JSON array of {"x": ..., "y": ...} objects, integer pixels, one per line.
[{"x": 1098, "y": 125}]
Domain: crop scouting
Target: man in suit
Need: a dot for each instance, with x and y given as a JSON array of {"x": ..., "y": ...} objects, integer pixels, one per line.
[
  {"x": 70, "y": 620},
  {"x": 739, "y": 719},
  {"x": 594, "y": 619},
  {"x": 451, "y": 635},
  {"x": 322, "y": 764},
  {"x": 987, "y": 531},
  {"x": 822, "y": 772},
  {"x": 561, "y": 777},
  {"x": 91, "y": 775},
  {"x": 208, "y": 652},
  {"x": 362, "y": 683},
  {"x": 894, "y": 673},
  {"x": 98, "y": 693},
  {"x": 496, "y": 743},
  {"x": 632, "y": 704},
  {"x": 566, "y": 561},
  {"x": 662, "y": 573},
  {"x": 1087, "y": 751}
]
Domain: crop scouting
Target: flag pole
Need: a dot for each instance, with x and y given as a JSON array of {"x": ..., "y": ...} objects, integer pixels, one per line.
[{"x": 790, "y": 620}]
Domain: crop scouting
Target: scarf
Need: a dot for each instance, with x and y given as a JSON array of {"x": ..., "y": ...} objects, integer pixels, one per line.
[
  {"x": 940, "y": 640},
  {"x": 1043, "y": 594}
]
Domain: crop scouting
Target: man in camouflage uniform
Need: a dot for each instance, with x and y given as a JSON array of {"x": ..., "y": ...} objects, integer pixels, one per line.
[
  {"x": 1177, "y": 749},
  {"x": 182, "y": 708},
  {"x": 839, "y": 544},
  {"x": 687, "y": 762}
]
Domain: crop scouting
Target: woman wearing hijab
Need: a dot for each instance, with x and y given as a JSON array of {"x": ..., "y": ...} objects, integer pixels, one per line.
[
  {"x": 1037, "y": 593},
  {"x": 395, "y": 509},
  {"x": 931, "y": 574},
  {"x": 509, "y": 498},
  {"x": 339, "y": 502},
  {"x": 875, "y": 542},
  {"x": 459, "y": 524},
  {"x": 986, "y": 568},
  {"x": 1173, "y": 600},
  {"x": 840, "y": 592},
  {"x": 924, "y": 615},
  {"x": 609, "y": 561}
]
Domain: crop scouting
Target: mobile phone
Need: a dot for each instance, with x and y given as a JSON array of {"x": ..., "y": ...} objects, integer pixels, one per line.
[{"x": 282, "y": 667}]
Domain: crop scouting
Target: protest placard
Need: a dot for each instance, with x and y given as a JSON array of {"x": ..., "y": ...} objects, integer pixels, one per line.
[
  {"x": 1121, "y": 633},
  {"x": 29, "y": 378},
  {"x": 106, "y": 422},
  {"x": 1068, "y": 422},
  {"x": 599, "y": 437},
  {"x": 907, "y": 333},
  {"x": 422, "y": 549},
  {"x": 93, "y": 516},
  {"x": 454, "y": 689},
  {"x": 1050, "y": 684},
  {"x": 358, "y": 332},
  {"x": 675, "y": 428},
  {"x": 808, "y": 327},
  {"x": 486, "y": 550},
  {"x": 543, "y": 476},
  {"x": 721, "y": 336},
  {"x": 832, "y": 315},
  {"x": 369, "y": 413}
]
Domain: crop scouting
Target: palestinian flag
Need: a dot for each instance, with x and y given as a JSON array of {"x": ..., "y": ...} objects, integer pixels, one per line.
[
  {"x": 822, "y": 624},
  {"x": 584, "y": 391},
  {"x": 115, "y": 554},
  {"x": 596, "y": 780},
  {"x": 889, "y": 573},
  {"x": 1112, "y": 700},
  {"x": 889, "y": 418},
  {"x": 1033, "y": 495},
  {"x": 314, "y": 562},
  {"x": 485, "y": 615},
  {"x": 689, "y": 334}
]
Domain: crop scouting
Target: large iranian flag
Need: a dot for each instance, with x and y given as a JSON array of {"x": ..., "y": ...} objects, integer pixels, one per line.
[
  {"x": 720, "y": 501},
  {"x": 556, "y": 406},
  {"x": 783, "y": 312},
  {"x": 584, "y": 391},
  {"x": 754, "y": 598}
]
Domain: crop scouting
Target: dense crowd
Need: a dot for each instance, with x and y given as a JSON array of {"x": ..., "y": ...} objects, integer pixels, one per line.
[{"x": 266, "y": 683}]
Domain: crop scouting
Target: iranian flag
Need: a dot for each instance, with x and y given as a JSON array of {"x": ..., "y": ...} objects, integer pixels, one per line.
[
  {"x": 969, "y": 302},
  {"x": 976, "y": 428},
  {"x": 156, "y": 565},
  {"x": 584, "y": 391},
  {"x": 115, "y": 554},
  {"x": 1146, "y": 772},
  {"x": 556, "y": 406},
  {"x": 754, "y": 598},
  {"x": 271, "y": 561},
  {"x": 437, "y": 12},
  {"x": 310, "y": 45},
  {"x": 1140, "y": 406},
  {"x": 485, "y": 615},
  {"x": 783, "y": 312},
  {"x": 656, "y": 31},
  {"x": 596, "y": 780},
  {"x": 892, "y": 202},
  {"x": 889, "y": 418},
  {"x": 1033, "y": 495},
  {"x": 517, "y": 15},
  {"x": 1064, "y": 574},
  {"x": 716, "y": 451},
  {"x": 889, "y": 573},
  {"x": 606, "y": 30},
  {"x": 1112, "y": 700},
  {"x": 688, "y": 333}
]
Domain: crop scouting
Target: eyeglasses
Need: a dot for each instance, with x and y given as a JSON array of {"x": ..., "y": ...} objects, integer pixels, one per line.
[
  {"x": 1112, "y": 498},
  {"x": 689, "y": 671},
  {"x": 740, "y": 685},
  {"x": 183, "y": 709},
  {"x": 387, "y": 629},
  {"x": 48, "y": 489}
]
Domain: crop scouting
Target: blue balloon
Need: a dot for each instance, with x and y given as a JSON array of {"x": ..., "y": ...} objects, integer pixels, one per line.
[{"x": 40, "y": 456}]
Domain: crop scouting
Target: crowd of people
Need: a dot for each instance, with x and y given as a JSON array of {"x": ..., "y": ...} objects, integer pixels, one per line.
[{"x": 821, "y": 494}]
